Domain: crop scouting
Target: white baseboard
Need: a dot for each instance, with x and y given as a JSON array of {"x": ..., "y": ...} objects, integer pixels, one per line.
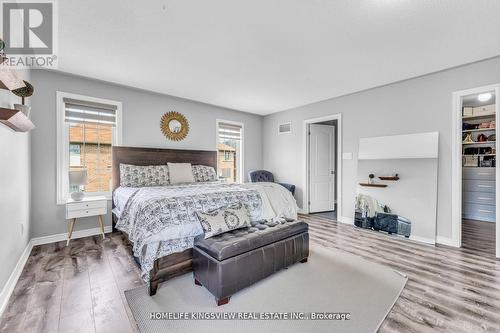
[
  {"x": 429, "y": 241},
  {"x": 9, "y": 286},
  {"x": 346, "y": 220},
  {"x": 447, "y": 241},
  {"x": 61, "y": 237},
  {"x": 16, "y": 273}
]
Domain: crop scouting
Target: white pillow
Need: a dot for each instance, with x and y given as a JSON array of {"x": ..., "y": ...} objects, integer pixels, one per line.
[{"x": 180, "y": 173}]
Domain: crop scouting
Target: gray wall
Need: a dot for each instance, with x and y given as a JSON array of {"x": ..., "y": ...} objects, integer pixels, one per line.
[
  {"x": 14, "y": 191},
  {"x": 142, "y": 111},
  {"x": 422, "y": 104}
]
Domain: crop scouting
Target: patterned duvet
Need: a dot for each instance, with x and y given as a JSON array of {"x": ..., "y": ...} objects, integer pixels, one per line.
[{"x": 162, "y": 220}]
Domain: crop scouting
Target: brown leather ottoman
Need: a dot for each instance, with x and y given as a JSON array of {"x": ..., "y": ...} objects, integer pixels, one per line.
[{"x": 227, "y": 263}]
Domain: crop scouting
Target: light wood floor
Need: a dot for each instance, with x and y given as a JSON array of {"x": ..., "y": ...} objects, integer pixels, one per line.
[
  {"x": 80, "y": 288},
  {"x": 479, "y": 236}
]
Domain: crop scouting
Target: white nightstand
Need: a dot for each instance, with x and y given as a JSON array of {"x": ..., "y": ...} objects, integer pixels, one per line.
[{"x": 89, "y": 206}]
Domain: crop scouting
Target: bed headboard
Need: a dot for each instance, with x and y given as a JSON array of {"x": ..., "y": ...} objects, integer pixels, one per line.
[{"x": 158, "y": 156}]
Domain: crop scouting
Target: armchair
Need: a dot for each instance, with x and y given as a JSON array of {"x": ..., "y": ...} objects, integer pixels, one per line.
[{"x": 257, "y": 176}]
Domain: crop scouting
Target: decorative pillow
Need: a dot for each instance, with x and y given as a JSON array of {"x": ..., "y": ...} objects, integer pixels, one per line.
[
  {"x": 180, "y": 173},
  {"x": 223, "y": 220},
  {"x": 204, "y": 173},
  {"x": 143, "y": 175}
]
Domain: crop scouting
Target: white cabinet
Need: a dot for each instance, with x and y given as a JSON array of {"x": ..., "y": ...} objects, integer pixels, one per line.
[{"x": 89, "y": 206}]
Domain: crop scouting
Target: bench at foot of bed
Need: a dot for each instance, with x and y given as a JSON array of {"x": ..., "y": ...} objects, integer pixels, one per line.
[{"x": 226, "y": 263}]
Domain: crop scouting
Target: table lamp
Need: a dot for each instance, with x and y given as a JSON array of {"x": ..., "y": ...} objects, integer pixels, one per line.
[{"x": 79, "y": 178}]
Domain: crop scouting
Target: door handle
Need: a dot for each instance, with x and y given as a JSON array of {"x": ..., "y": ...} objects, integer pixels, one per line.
[{"x": 332, "y": 172}]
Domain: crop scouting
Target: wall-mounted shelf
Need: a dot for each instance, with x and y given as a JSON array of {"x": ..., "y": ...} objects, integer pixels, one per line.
[
  {"x": 16, "y": 120},
  {"x": 484, "y": 116},
  {"x": 391, "y": 178},
  {"x": 373, "y": 185},
  {"x": 479, "y": 130},
  {"x": 479, "y": 143}
]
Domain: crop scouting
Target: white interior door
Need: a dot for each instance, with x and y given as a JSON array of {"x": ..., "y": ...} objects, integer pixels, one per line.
[{"x": 321, "y": 168}]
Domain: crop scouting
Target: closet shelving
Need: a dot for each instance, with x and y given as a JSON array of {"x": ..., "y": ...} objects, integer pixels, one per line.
[
  {"x": 479, "y": 159},
  {"x": 479, "y": 130},
  {"x": 480, "y": 143},
  {"x": 475, "y": 132}
]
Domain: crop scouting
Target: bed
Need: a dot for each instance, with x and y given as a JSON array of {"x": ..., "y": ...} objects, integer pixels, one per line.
[{"x": 160, "y": 221}]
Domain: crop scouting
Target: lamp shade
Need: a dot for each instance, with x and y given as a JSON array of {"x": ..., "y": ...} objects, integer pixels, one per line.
[{"x": 78, "y": 177}]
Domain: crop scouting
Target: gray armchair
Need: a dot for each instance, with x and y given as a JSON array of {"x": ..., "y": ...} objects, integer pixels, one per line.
[{"x": 257, "y": 176}]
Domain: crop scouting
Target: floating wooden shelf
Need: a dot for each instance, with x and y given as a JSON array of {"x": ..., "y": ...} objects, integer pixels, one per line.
[
  {"x": 16, "y": 120},
  {"x": 392, "y": 178},
  {"x": 373, "y": 185}
]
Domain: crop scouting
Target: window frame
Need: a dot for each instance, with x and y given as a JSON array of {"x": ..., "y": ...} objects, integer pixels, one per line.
[
  {"x": 242, "y": 145},
  {"x": 63, "y": 141}
]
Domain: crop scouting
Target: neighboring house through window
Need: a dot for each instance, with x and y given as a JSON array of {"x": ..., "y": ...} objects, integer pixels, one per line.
[
  {"x": 87, "y": 129},
  {"x": 230, "y": 151}
]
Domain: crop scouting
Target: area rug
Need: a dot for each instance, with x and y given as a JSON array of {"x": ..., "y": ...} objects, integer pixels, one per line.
[{"x": 332, "y": 292}]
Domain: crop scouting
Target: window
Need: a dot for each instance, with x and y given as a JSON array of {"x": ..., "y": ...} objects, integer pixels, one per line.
[
  {"x": 230, "y": 151},
  {"x": 87, "y": 129}
]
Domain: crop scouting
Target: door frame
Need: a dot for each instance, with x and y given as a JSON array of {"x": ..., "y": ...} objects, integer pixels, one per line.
[
  {"x": 338, "y": 178},
  {"x": 456, "y": 172}
]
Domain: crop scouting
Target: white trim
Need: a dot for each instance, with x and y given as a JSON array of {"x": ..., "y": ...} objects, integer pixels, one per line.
[
  {"x": 242, "y": 145},
  {"x": 456, "y": 170},
  {"x": 425, "y": 240},
  {"x": 63, "y": 144},
  {"x": 9, "y": 286},
  {"x": 64, "y": 236},
  {"x": 446, "y": 241},
  {"x": 346, "y": 220},
  {"x": 305, "y": 145}
]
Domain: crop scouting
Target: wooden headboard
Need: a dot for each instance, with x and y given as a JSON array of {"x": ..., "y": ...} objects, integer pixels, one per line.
[{"x": 157, "y": 156}]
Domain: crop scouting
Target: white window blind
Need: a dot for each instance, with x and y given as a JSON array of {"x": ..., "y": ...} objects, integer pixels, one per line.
[
  {"x": 89, "y": 113},
  {"x": 229, "y": 131}
]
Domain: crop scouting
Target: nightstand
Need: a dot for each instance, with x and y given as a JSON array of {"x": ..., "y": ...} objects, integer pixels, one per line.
[{"x": 89, "y": 206}]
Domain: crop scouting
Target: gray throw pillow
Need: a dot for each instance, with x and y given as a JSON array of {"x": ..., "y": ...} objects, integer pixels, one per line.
[
  {"x": 223, "y": 220},
  {"x": 143, "y": 175},
  {"x": 204, "y": 173}
]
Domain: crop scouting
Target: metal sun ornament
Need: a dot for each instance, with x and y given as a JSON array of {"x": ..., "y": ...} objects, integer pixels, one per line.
[
  {"x": 174, "y": 126},
  {"x": 25, "y": 91}
]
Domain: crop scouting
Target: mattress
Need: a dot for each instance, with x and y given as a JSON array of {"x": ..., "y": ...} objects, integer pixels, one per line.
[{"x": 162, "y": 220}]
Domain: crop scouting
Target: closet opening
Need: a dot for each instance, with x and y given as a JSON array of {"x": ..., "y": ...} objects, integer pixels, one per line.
[{"x": 475, "y": 199}]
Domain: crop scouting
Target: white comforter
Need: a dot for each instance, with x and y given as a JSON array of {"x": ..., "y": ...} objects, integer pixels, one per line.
[{"x": 277, "y": 201}]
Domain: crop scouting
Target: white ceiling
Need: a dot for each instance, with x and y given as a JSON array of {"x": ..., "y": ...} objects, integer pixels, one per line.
[{"x": 264, "y": 56}]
